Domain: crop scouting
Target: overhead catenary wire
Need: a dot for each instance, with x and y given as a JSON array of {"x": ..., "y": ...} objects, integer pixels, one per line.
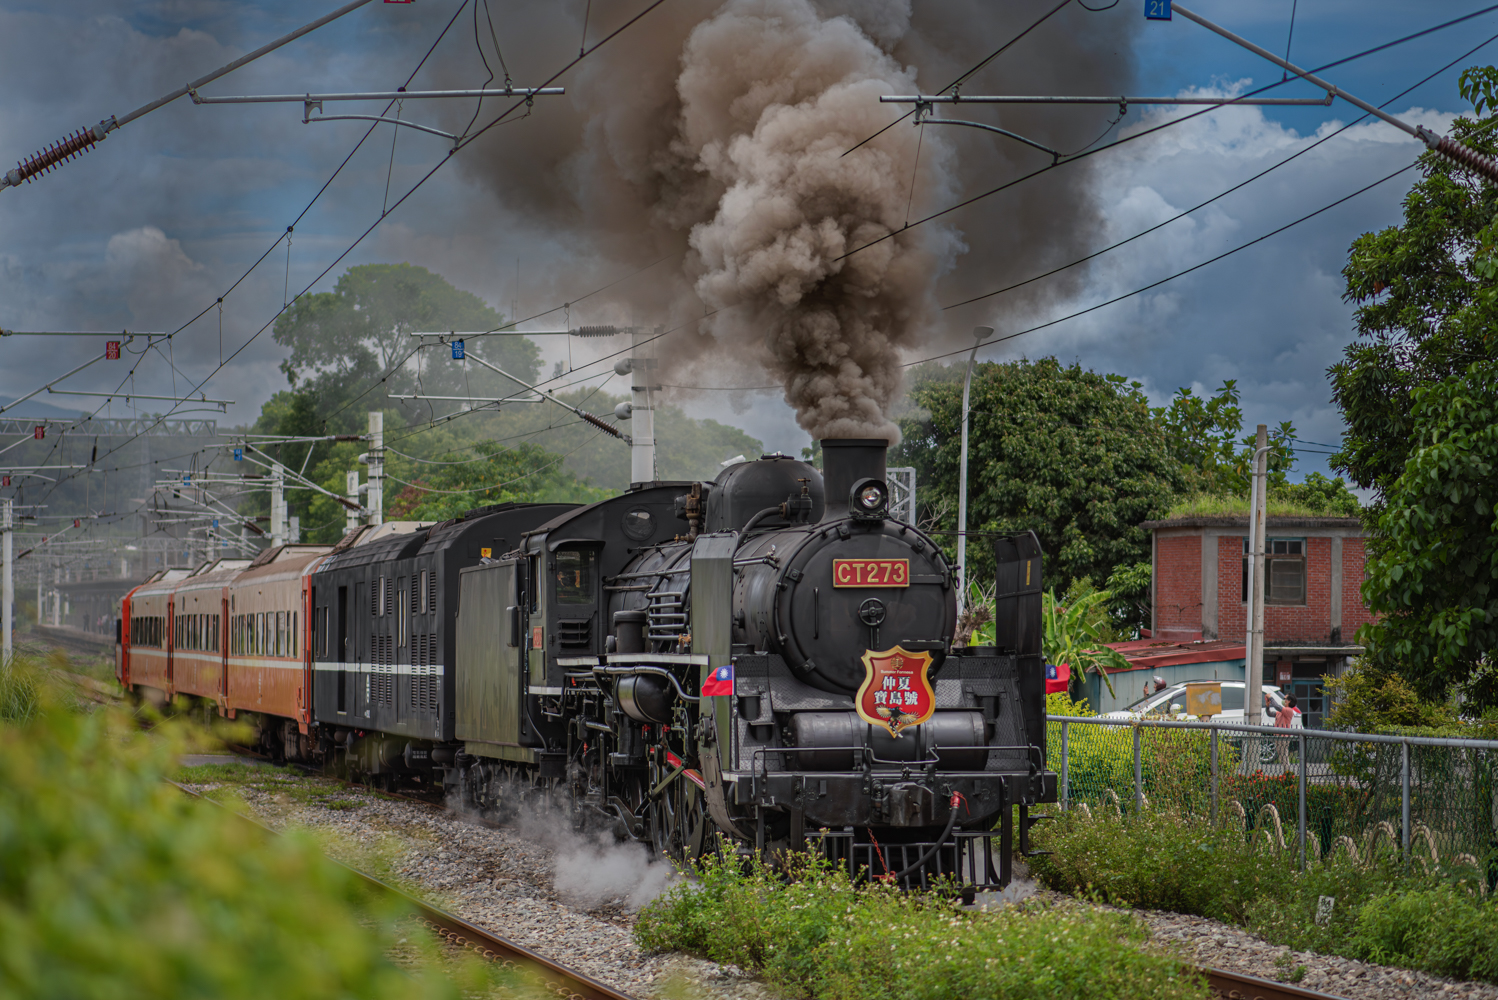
[
  {"x": 1221, "y": 194},
  {"x": 81, "y": 141},
  {"x": 1057, "y": 164}
]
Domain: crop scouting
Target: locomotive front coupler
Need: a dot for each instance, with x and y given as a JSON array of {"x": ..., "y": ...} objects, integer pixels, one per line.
[{"x": 837, "y": 799}]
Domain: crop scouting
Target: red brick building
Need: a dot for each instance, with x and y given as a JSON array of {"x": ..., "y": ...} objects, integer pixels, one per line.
[{"x": 1313, "y": 601}]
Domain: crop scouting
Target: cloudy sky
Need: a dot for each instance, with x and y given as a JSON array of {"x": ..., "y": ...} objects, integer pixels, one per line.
[{"x": 151, "y": 227}]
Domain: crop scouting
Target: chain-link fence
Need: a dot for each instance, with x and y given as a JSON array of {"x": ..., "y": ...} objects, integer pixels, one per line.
[{"x": 1308, "y": 792}]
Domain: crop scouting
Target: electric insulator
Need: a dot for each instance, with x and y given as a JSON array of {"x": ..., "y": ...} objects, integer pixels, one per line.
[
  {"x": 595, "y": 331},
  {"x": 1467, "y": 157},
  {"x": 50, "y": 157}
]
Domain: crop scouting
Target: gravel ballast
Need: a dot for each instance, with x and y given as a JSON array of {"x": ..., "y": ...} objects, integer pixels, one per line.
[{"x": 572, "y": 898}]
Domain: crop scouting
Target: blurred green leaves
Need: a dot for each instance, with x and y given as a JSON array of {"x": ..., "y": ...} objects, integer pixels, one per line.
[{"x": 114, "y": 884}]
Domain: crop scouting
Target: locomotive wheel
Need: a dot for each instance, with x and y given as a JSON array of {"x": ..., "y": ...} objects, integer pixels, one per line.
[{"x": 678, "y": 819}]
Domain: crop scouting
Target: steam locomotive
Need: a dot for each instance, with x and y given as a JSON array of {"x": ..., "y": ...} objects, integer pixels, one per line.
[{"x": 767, "y": 656}]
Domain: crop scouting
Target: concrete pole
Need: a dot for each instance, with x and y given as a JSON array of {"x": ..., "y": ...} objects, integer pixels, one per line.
[
  {"x": 277, "y": 505},
  {"x": 980, "y": 334},
  {"x": 376, "y": 467},
  {"x": 1253, "y": 664},
  {"x": 56, "y": 596},
  {"x": 351, "y": 514},
  {"x": 8, "y": 597},
  {"x": 642, "y": 413}
]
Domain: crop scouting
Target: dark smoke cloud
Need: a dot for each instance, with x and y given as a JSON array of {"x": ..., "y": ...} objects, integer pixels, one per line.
[{"x": 717, "y": 133}]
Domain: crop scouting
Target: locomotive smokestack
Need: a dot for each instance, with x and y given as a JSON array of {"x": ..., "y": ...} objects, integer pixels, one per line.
[{"x": 844, "y": 462}]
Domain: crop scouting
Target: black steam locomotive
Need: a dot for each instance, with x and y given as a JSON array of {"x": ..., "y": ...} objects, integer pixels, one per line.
[{"x": 767, "y": 656}]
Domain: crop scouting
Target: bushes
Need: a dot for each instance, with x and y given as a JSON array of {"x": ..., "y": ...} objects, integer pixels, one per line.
[
  {"x": 814, "y": 934},
  {"x": 1157, "y": 860},
  {"x": 1384, "y": 911},
  {"x": 115, "y": 884},
  {"x": 1444, "y": 930}
]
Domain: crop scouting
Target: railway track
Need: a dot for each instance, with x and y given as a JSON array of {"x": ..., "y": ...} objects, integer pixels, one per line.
[
  {"x": 1224, "y": 985},
  {"x": 1236, "y": 986},
  {"x": 556, "y": 978}
]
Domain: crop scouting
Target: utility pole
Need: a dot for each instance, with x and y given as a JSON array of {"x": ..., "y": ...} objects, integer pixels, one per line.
[
  {"x": 980, "y": 334},
  {"x": 277, "y": 505},
  {"x": 641, "y": 413},
  {"x": 351, "y": 514},
  {"x": 56, "y": 595},
  {"x": 8, "y": 597},
  {"x": 376, "y": 468},
  {"x": 1253, "y": 662}
]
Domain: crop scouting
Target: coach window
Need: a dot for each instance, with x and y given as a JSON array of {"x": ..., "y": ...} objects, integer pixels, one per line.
[
  {"x": 400, "y": 622},
  {"x": 574, "y": 575}
]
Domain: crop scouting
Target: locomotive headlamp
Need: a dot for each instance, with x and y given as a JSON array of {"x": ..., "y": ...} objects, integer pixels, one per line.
[{"x": 869, "y": 499}]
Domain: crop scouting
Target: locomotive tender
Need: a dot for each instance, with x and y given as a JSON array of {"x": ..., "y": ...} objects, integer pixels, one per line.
[{"x": 766, "y": 656}]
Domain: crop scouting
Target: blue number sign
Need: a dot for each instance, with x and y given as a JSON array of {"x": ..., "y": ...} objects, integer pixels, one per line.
[
  {"x": 1157, "y": 10},
  {"x": 457, "y": 350},
  {"x": 239, "y": 454}
]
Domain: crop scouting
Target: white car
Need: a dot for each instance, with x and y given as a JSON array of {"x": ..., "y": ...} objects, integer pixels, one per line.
[{"x": 1172, "y": 701}]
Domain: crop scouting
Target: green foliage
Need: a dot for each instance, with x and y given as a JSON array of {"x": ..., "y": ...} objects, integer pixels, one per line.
[
  {"x": 1201, "y": 435},
  {"x": 1075, "y": 633},
  {"x": 366, "y": 321},
  {"x": 1367, "y": 700},
  {"x": 1321, "y": 496},
  {"x": 1432, "y": 570},
  {"x": 1158, "y": 859},
  {"x": 1074, "y": 455},
  {"x": 814, "y": 934},
  {"x": 1129, "y": 585},
  {"x": 1444, "y": 930},
  {"x": 115, "y": 884},
  {"x": 1418, "y": 392},
  {"x": 1384, "y": 910},
  {"x": 525, "y": 473}
]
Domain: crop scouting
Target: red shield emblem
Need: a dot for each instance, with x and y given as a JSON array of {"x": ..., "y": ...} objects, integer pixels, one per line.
[{"x": 896, "y": 692}]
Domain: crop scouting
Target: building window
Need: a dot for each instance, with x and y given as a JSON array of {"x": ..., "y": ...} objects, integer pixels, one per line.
[{"x": 1284, "y": 570}]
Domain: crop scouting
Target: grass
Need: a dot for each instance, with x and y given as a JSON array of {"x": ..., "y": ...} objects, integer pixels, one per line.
[
  {"x": 1213, "y": 505},
  {"x": 1432, "y": 919},
  {"x": 814, "y": 934}
]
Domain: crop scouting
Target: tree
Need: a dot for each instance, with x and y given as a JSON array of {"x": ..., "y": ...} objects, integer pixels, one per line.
[
  {"x": 362, "y": 328},
  {"x": 526, "y": 473},
  {"x": 1202, "y": 434},
  {"x": 1074, "y": 455},
  {"x": 1419, "y": 392}
]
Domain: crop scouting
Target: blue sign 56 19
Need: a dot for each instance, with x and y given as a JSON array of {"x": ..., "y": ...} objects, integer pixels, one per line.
[
  {"x": 1157, "y": 10},
  {"x": 457, "y": 350}
]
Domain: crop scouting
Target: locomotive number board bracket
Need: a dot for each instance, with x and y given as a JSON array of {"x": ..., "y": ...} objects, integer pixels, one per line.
[{"x": 871, "y": 572}]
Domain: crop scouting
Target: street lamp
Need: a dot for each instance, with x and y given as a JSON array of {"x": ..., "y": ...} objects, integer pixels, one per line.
[{"x": 980, "y": 334}]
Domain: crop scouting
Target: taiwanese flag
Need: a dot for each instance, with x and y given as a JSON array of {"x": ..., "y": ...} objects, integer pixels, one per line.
[
  {"x": 719, "y": 682},
  {"x": 1056, "y": 678}
]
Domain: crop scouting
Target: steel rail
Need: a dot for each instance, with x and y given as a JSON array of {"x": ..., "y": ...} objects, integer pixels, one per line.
[
  {"x": 1237, "y": 986},
  {"x": 557, "y": 978}
]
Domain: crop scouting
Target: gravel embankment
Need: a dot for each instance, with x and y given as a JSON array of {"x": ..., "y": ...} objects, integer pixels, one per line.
[
  {"x": 565, "y": 896},
  {"x": 572, "y": 899}
]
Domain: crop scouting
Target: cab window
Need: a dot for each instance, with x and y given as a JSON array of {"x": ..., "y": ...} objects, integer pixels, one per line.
[{"x": 574, "y": 575}]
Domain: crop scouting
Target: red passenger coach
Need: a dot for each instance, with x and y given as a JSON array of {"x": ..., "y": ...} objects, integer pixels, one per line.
[
  {"x": 199, "y": 630},
  {"x": 270, "y": 662},
  {"x": 147, "y": 632}
]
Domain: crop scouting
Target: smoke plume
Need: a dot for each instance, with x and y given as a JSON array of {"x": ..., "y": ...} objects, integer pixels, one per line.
[{"x": 718, "y": 138}]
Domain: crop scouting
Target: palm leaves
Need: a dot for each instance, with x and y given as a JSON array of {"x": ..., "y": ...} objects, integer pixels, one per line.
[{"x": 1074, "y": 635}]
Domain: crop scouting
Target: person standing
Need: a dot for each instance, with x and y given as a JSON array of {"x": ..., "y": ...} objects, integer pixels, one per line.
[{"x": 1288, "y": 717}]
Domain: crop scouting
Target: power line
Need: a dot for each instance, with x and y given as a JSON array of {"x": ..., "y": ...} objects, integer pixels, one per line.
[
  {"x": 1178, "y": 274},
  {"x": 1222, "y": 194},
  {"x": 1146, "y": 132}
]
